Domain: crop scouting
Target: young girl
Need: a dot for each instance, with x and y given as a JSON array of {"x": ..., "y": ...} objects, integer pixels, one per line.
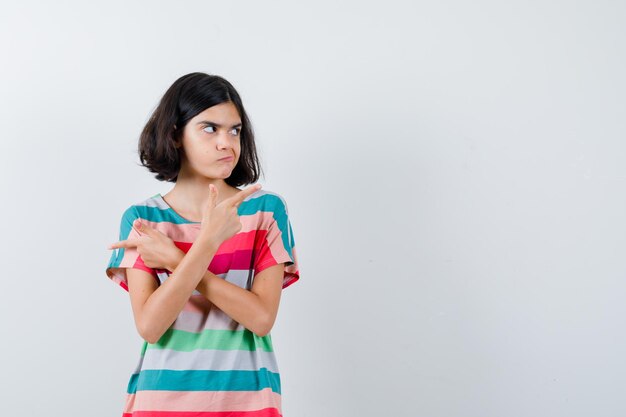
[{"x": 204, "y": 264}]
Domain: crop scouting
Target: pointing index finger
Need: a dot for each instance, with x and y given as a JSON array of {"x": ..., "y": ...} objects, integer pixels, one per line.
[
  {"x": 128, "y": 243},
  {"x": 241, "y": 195}
]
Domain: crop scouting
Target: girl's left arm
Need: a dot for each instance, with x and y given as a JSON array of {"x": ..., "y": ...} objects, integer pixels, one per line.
[{"x": 256, "y": 309}]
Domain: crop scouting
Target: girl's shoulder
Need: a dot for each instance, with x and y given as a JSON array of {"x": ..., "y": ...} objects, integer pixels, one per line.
[
  {"x": 267, "y": 200},
  {"x": 150, "y": 201},
  {"x": 145, "y": 208}
]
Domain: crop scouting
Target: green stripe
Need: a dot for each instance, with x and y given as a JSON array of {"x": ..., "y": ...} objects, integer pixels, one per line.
[
  {"x": 264, "y": 202},
  {"x": 157, "y": 215},
  {"x": 184, "y": 341},
  {"x": 172, "y": 380}
]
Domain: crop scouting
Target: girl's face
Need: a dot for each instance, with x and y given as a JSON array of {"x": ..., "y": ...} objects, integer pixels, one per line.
[{"x": 209, "y": 136}]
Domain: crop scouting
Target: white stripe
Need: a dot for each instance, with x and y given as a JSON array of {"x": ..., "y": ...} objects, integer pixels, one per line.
[{"x": 210, "y": 359}]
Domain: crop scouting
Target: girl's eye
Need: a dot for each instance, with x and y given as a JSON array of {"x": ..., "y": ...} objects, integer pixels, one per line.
[{"x": 235, "y": 130}]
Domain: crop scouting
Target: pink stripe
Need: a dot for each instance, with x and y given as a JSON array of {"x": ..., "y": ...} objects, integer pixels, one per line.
[
  {"x": 187, "y": 232},
  {"x": 207, "y": 401},
  {"x": 266, "y": 412},
  {"x": 198, "y": 304}
]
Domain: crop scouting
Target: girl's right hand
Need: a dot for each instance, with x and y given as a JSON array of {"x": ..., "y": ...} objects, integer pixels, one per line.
[{"x": 221, "y": 221}]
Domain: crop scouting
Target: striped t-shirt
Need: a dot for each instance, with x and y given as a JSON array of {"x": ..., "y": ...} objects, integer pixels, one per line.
[{"x": 207, "y": 364}]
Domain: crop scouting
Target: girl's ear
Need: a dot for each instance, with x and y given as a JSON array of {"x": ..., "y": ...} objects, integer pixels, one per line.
[{"x": 177, "y": 143}]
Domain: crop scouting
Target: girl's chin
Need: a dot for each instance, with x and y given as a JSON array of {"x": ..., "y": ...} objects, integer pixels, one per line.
[{"x": 220, "y": 173}]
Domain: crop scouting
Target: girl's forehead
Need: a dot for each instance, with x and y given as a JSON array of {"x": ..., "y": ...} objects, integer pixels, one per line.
[{"x": 226, "y": 109}]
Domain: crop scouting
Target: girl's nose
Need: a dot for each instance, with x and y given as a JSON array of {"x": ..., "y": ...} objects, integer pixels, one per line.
[{"x": 224, "y": 140}]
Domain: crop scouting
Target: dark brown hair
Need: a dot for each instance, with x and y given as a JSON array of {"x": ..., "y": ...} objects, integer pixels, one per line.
[{"x": 190, "y": 95}]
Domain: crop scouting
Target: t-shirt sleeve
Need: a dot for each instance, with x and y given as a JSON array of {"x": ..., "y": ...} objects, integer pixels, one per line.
[
  {"x": 123, "y": 258},
  {"x": 277, "y": 245}
]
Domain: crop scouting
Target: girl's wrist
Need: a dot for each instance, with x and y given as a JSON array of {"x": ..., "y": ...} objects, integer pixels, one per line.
[
  {"x": 177, "y": 258},
  {"x": 207, "y": 241}
]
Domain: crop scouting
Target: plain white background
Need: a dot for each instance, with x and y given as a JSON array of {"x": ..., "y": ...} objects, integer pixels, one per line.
[{"x": 454, "y": 173}]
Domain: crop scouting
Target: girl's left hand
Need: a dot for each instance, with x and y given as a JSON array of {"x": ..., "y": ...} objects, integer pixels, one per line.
[{"x": 157, "y": 250}]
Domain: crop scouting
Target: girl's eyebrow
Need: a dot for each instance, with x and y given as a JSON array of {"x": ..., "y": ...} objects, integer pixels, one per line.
[{"x": 208, "y": 122}]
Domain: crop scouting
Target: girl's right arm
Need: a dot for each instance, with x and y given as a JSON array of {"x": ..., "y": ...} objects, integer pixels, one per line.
[{"x": 155, "y": 307}]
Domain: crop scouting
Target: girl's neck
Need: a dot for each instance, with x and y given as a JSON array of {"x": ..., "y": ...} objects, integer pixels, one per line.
[{"x": 190, "y": 198}]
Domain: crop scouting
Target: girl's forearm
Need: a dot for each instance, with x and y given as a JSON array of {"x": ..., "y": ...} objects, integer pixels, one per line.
[
  {"x": 167, "y": 301},
  {"x": 241, "y": 305}
]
